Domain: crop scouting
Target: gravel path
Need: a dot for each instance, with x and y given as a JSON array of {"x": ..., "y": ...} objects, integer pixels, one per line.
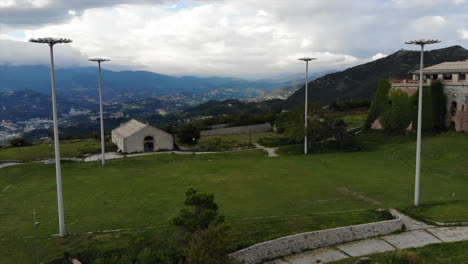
[{"x": 271, "y": 151}]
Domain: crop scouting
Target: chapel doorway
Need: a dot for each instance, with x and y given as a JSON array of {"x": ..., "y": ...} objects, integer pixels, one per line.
[{"x": 148, "y": 144}]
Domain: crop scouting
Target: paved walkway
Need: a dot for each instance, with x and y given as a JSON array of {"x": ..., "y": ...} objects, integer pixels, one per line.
[
  {"x": 418, "y": 234},
  {"x": 3, "y": 165},
  {"x": 270, "y": 151}
]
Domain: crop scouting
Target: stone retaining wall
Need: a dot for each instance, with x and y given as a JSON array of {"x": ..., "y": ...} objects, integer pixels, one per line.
[
  {"x": 288, "y": 245},
  {"x": 238, "y": 130}
]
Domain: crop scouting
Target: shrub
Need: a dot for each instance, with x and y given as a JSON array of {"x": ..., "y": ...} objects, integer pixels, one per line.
[
  {"x": 19, "y": 142},
  {"x": 188, "y": 134},
  {"x": 209, "y": 246}
]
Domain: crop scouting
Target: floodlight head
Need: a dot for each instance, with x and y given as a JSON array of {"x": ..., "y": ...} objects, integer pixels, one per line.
[
  {"x": 423, "y": 41},
  {"x": 50, "y": 41},
  {"x": 307, "y": 59},
  {"x": 99, "y": 59}
]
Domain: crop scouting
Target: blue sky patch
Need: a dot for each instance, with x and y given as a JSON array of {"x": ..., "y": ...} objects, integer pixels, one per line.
[{"x": 180, "y": 5}]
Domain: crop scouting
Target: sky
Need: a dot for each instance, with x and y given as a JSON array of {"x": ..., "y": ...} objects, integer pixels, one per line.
[{"x": 242, "y": 38}]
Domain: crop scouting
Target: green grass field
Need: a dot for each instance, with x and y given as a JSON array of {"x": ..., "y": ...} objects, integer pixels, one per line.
[
  {"x": 353, "y": 120},
  {"x": 68, "y": 149},
  {"x": 288, "y": 190},
  {"x": 226, "y": 142}
]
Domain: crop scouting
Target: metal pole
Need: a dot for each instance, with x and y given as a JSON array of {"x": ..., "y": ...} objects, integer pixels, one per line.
[
  {"x": 103, "y": 147},
  {"x": 418, "y": 141},
  {"x": 305, "y": 108},
  {"x": 35, "y": 235},
  {"x": 58, "y": 169}
]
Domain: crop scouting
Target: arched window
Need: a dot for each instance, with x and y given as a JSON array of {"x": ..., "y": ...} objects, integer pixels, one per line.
[
  {"x": 148, "y": 138},
  {"x": 453, "y": 108}
]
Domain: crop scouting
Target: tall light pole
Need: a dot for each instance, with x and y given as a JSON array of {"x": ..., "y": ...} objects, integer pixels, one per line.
[
  {"x": 58, "y": 171},
  {"x": 306, "y": 59},
  {"x": 103, "y": 148},
  {"x": 420, "y": 42}
]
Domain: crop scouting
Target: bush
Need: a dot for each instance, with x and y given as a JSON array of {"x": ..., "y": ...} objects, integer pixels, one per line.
[
  {"x": 209, "y": 246},
  {"x": 19, "y": 142},
  {"x": 188, "y": 134}
]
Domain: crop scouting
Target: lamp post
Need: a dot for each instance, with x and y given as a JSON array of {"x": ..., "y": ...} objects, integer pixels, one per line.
[
  {"x": 306, "y": 59},
  {"x": 420, "y": 42},
  {"x": 103, "y": 148},
  {"x": 58, "y": 171}
]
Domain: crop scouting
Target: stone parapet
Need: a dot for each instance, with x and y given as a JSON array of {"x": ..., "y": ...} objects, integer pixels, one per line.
[{"x": 293, "y": 244}]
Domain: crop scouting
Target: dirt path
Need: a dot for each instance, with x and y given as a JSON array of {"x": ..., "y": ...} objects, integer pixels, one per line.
[{"x": 270, "y": 151}]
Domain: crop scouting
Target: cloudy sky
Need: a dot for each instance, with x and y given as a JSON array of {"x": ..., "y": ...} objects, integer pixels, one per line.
[{"x": 225, "y": 37}]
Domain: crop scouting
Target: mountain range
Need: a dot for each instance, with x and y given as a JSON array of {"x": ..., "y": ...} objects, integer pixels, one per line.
[{"x": 120, "y": 86}]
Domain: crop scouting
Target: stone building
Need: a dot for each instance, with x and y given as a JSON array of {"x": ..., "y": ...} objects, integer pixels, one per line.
[
  {"x": 135, "y": 136},
  {"x": 454, "y": 77}
]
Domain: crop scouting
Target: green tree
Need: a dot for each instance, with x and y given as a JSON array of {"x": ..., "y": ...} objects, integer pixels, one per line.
[
  {"x": 188, "y": 134},
  {"x": 379, "y": 102},
  {"x": 203, "y": 212},
  {"x": 396, "y": 115}
]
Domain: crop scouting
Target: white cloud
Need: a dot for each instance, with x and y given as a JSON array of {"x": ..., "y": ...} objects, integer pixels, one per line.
[
  {"x": 245, "y": 37},
  {"x": 24, "y": 53},
  {"x": 463, "y": 33},
  {"x": 378, "y": 56}
]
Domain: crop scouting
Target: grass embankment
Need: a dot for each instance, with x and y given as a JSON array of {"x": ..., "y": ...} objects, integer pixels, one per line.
[
  {"x": 68, "y": 149},
  {"x": 234, "y": 141},
  {"x": 448, "y": 253},
  {"x": 147, "y": 190},
  {"x": 352, "y": 119}
]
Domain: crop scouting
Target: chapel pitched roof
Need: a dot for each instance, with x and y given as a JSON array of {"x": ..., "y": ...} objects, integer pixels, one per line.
[{"x": 129, "y": 128}]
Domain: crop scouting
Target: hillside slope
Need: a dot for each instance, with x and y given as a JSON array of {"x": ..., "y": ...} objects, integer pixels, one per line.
[{"x": 360, "y": 82}]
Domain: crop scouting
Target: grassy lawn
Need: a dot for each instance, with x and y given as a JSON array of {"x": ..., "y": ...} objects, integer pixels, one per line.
[
  {"x": 68, "y": 149},
  {"x": 353, "y": 120},
  {"x": 448, "y": 253},
  {"x": 287, "y": 191},
  {"x": 225, "y": 142}
]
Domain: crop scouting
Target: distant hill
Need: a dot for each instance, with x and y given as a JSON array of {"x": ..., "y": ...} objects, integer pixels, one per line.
[
  {"x": 231, "y": 107},
  {"x": 360, "y": 82},
  {"x": 82, "y": 83}
]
